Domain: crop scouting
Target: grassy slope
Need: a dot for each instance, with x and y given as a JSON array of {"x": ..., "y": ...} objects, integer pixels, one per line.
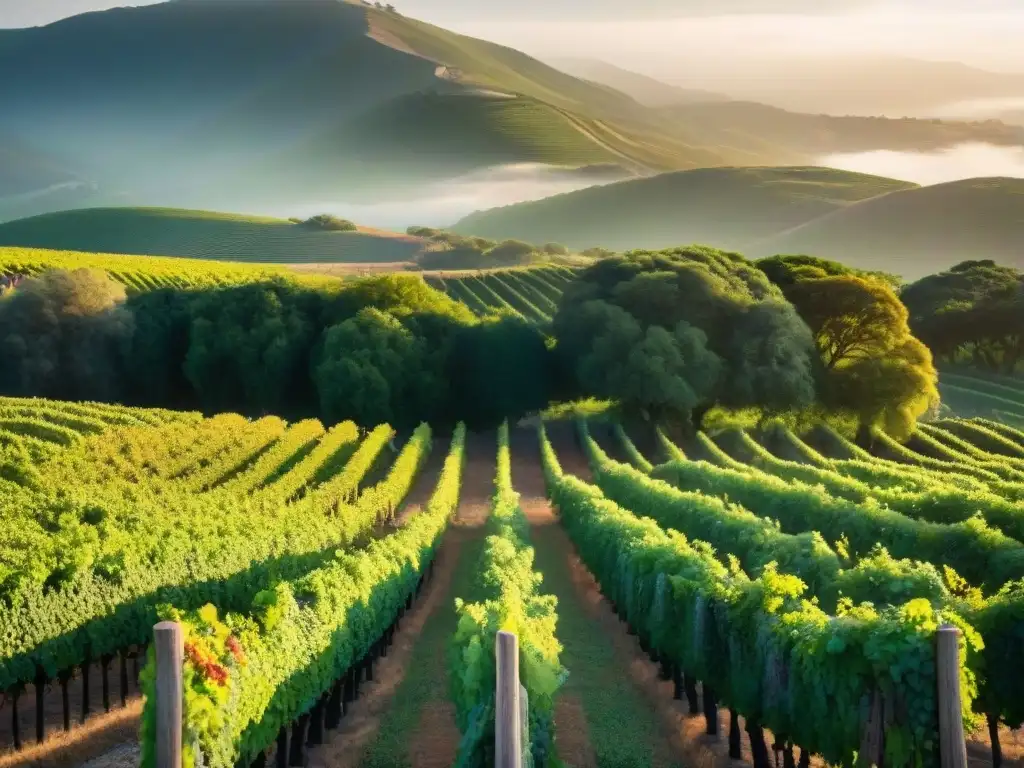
[
  {"x": 919, "y": 231},
  {"x": 419, "y": 136},
  {"x": 201, "y": 235},
  {"x": 727, "y": 207}
]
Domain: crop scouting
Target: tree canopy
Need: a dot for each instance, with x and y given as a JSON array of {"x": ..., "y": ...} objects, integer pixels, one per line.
[
  {"x": 385, "y": 348},
  {"x": 671, "y": 334},
  {"x": 62, "y": 335},
  {"x": 872, "y": 363},
  {"x": 975, "y": 310}
]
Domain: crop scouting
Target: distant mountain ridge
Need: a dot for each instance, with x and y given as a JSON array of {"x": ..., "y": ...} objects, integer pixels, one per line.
[{"x": 232, "y": 104}]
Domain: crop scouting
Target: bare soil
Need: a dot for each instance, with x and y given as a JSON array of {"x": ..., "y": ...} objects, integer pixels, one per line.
[{"x": 70, "y": 748}]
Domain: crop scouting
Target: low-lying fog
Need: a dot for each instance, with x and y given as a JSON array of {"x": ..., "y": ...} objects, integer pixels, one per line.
[
  {"x": 964, "y": 161},
  {"x": 982, "y": 109},
  {"x": 444, "y": 203}
]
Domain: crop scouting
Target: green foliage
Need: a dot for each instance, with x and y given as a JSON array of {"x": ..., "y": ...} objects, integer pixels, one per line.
[
  {"x": 110, "y": 531},
  {"x": 61, "y": 334},
  {"x": 385, "y": 348},
  {"x": 743, "y": 636},
  {"x": 971, "y": 313},
  {"x": 325, "y": 621},
  {"x": 511, "y": 601},
  {"x": 873, "y": 365},
  {"x": 672, "y": 334},
  {"x": 329, "y": 223},
  {"x": 369, "y": 366}
]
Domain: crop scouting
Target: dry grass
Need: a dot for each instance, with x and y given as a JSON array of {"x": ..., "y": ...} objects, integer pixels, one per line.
[{"x": 96, "y": 737}]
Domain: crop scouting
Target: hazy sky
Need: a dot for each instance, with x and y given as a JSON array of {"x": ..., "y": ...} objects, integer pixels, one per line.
[{"x": 985, "y": 33}]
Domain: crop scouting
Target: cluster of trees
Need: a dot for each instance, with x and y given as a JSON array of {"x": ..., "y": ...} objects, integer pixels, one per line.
[
  {"x": 452, "y": 251},
  {"x": 326, "y": 222},
  {"x": 973, "y": 313},
  {"x": 387, "y": 348},
  {"x": 669, "y": 335},
  {"x": 675, "y": 333}
]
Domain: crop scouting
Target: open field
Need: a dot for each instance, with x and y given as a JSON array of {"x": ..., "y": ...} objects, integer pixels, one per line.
[{"x": 204, "y": 235}]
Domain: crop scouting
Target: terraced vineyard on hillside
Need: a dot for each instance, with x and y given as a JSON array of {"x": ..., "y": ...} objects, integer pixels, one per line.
[
  {"x": 984, "y": 394},
  {"x": 531, "y": 293},
  {"x": 300, "y": 560},
  {"x": 147, "y": 273}
]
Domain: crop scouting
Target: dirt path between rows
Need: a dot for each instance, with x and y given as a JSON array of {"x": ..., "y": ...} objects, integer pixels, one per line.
[
  {"x": 405, "y": 716},
  {"x": 612, "y": 684}
]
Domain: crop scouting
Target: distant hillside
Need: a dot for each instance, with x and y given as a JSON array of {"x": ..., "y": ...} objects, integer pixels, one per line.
[
  {"x": 735, "y": 125},
  {"x": 234, "y": 104},
  {"x": 726, "y": 207},
  {"x": 646, "y": 90},
  {"x": 918, "y": 231},
  {"x": 203, "y": 235},
  {"x": 23, "y": 169},
  {"x": 868, "y": 84}
]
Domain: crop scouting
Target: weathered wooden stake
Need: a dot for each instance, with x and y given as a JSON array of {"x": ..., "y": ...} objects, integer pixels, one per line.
[
  {"x": 710, "y": 711},
  {"x": 316, "y": 723},
  {"x": 508, "y": 745},
  {"x": 332, "y": 716},
  {"x": 85, "y": 688},
  {"x": 735, "y": 739},
  {"x": 952, "y": 744},
  {"x": 788, "y": 758},
  {"x": 15, "y": 723},
  {"x": 690, "y": 686},
  {"x": 297, "y": 758},
  {"x": 872, "y": 744},
  {"x": 282, "y": 748},
  {"x": 123, "y": 682},
  {"x": 524, "y": 724},
  {"x": 105, "y": 679},
  {"x": 170, "y": 656},
  {"x": 40, "y": 686},
  {"x": 65, "y": 699},
  {"x": 993, "y": 736}
]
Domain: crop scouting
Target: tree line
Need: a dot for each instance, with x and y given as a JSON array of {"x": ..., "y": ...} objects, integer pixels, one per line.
[
  {"x": 669, "y": 335},
  {"x": 387, "y": 348}
]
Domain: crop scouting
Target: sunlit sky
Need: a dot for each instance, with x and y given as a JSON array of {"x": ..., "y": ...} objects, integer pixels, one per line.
[{"x": 985, "y": 33}]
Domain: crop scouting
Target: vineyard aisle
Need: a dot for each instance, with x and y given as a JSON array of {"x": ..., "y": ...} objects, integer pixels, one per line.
[
  {"x": 405, "y": 718},
  {"x": 612, "y": 710}
]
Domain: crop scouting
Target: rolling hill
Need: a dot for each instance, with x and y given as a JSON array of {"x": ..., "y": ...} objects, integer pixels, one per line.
[
  {"x": 228, "y": 104},
  {"x": 726, "y": 207},
  {"x": 915, "y": 232},
  {"x": 204, "y": 235}
]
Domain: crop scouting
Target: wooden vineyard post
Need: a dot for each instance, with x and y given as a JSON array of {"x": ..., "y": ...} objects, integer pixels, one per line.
[
  {"x": 524, "y": 726},
  {"x": 170, "y": 655},
  {"x": 952, "y": 745},
  {"x": 508, "y": 745}
]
